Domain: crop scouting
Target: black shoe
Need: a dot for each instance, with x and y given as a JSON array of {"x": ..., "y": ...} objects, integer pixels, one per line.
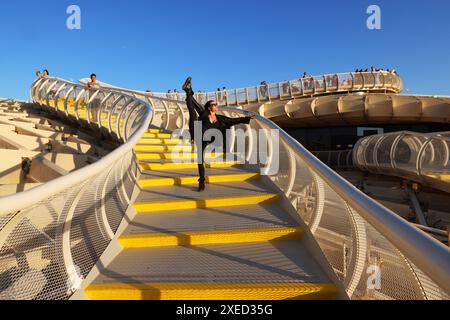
[
  {"x": 187, "y": 86},
  {"x": 201, "y": 186}
]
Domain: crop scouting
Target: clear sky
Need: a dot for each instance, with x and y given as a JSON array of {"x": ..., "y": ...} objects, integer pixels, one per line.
[{"x": 155, "y": 44}]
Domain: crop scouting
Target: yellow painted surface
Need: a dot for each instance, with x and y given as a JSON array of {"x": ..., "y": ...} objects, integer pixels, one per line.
[
  {"x": 159, "y": 182},
  {"x": 162, "y": 148},
  {"x": 174, "y": 156},
  {"x": 154, "y": 131},
  {"x": 178, "y": 166},
  {"x": 162, "y": 141},
  {"x": 444, "y": 177},
  {"x": 207, "y": 291},
  {"x": 157, "y": 135},
  {"x": 209, "y": 237},
  {"x": 158, "y": 206}
]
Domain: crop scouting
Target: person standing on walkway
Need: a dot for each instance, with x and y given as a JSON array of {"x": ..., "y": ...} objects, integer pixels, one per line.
[{"x": 209, "y": 119}]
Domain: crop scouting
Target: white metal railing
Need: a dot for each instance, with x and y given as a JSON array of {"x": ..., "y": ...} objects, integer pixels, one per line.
[
  {"x": 356, "y": 233},
  {"x": 52, "y": 235},
  {"x": 298, "y": 88},
  {"x": 419, "y": 157}
]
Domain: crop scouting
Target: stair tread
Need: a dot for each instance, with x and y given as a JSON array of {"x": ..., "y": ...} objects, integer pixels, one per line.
[
  {"x": 157, "y": 174},
  {"x": 257, "y": 216},
  {"x": 265, "y": 262},
  {"x": 207, "y": 159},
  {"x": 189, "y": 192}
]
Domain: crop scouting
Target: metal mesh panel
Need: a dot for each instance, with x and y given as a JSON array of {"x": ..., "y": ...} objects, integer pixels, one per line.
[{"x": 31, "y": 265}]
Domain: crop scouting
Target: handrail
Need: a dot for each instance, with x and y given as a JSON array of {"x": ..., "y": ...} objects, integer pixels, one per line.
[
  {"x": 304, "y": 87},
  {"x": 420, "y": 157}
]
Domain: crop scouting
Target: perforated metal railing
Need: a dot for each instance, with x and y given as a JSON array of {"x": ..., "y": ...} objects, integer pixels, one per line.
[
  {"x": 380, "y": 81},
  {"x": 419, "y": 157},
  {"x": 52, "y": 235}
]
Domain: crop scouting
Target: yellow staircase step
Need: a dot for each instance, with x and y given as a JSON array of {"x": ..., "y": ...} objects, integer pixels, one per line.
[
  {"x": 158, "y": 206},
  {"x": 209, "y": 237},
  {"x": 157, "y": 135},
  {"x": 175, "y": 156},
  {"x": 162, "y": 148},
  {"x": 212, "y": 291},
  {"x": 154, "y": 131},
  {"x": 177, "y": 166},
  {"x": 160, "y": 141},
  {"x": 444, "y": 177},
  {"x": 180, "y": 181}
]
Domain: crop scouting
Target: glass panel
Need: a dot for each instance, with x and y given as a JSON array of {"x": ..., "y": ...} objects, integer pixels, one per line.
[
  {"x": 274, "y": 90},
  {"x": 231, "y": 96},
  {"x": 263, "y": 92},
  {"x": 345, "y": 81},
  {"x": 379, "y": 80},
  {"x": 369, "y": 80},
  {"x": 331, "y": 82},
  {"x": 285, "y": 89},
  {"x": 308, "y": 85},
  {"x": 252, "y": 94},
  {"x": 319, "y": 84},
  {"x": 358, "y": 81},
  {"x": 241, "y": 96},
  {"x": 296, "y": 87}
]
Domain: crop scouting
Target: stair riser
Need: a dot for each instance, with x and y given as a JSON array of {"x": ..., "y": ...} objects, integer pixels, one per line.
[
  {"x": 244, "y": 292},
  {"x": 175, "y": 156},
  {"x": 205, "y": 238},
  {"x": 144, "y": 148},
  {"x": 149, "y": 183},
  {"x": 180, "y": 166},
  {"x": 150, "y": 207}
]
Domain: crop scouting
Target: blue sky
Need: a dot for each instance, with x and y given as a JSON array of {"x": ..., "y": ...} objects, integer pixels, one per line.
[{"x": 233, "y": 43}]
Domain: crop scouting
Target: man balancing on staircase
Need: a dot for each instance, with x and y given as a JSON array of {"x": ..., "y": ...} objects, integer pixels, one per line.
[{"x": 209, "y": 119}]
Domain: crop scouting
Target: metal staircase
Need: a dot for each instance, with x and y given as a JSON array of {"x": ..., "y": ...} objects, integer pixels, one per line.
[{"x": 233, "y": 241}]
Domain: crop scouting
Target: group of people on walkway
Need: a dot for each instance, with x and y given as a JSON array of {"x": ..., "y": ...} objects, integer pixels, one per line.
[{"x": 374, "y": 69}]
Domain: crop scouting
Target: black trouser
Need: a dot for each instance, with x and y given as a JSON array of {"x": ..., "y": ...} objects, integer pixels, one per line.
[
  {"x": 201, "y": 164},
  {"x": 194, "y": 109}
]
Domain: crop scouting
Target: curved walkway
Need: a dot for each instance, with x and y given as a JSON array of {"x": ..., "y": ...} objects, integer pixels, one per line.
[{"x": 424, "y": 158}]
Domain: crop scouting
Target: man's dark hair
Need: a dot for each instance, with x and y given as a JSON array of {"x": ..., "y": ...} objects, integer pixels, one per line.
[
  {"x": 93, "y": 75},
  {"x": 48, "y": 73}
]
